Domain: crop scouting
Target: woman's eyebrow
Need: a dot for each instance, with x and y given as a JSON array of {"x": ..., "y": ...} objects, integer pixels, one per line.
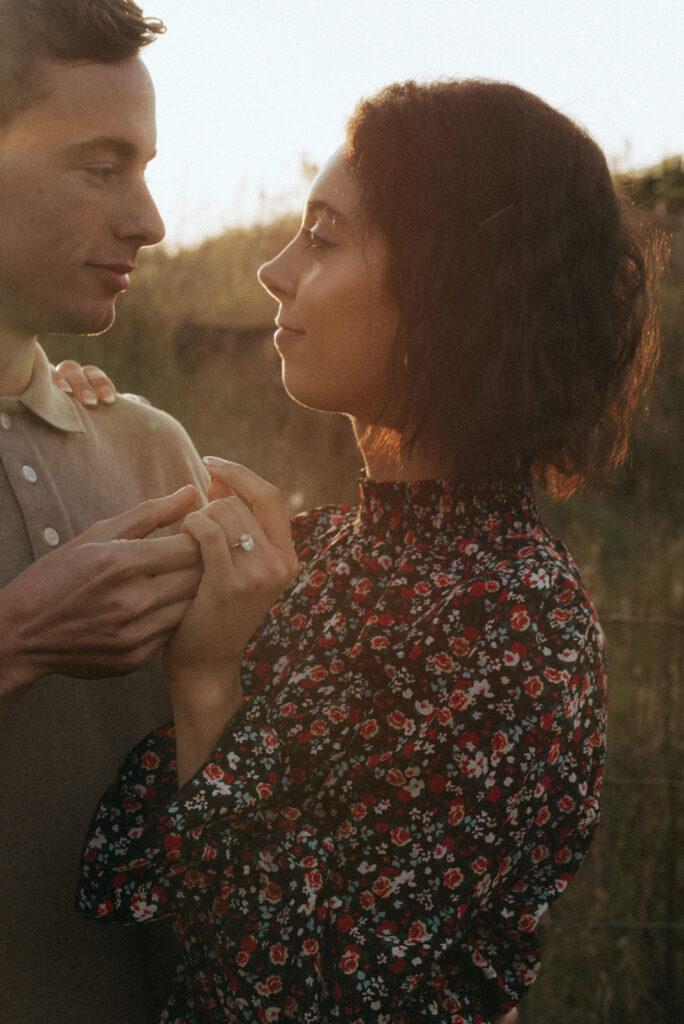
[{"x": 318, "y": 206}]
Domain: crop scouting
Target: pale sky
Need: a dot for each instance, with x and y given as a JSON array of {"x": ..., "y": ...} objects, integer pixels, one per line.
[{"x": 246, "y": 88}]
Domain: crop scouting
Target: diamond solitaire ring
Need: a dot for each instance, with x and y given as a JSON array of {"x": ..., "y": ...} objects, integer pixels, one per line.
[{"x": 246, "y": 542}]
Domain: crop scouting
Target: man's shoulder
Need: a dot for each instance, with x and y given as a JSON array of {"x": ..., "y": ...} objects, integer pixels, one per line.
[{"x": 150, "y": 440}]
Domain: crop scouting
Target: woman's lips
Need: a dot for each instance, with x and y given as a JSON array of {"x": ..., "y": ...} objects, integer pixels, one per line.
[{"x": 285, "y": 336}]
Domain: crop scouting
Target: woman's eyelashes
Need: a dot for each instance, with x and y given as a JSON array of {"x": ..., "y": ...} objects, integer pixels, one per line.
[{"x": 315, "y": 240}]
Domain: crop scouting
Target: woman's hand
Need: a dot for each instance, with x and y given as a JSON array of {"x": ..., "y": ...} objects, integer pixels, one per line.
[
  {"x": 88, "y": 384},
  {"x": 248, "y": 559},
  {"x": 508, "y": 1018}
]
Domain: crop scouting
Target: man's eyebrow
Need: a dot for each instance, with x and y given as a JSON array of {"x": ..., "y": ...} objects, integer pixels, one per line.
[
  {"x": 318, "y": 206},
  {"x": 123, "y": 148}
]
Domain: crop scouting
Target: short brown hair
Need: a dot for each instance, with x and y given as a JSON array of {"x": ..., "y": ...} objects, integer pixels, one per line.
[
  {"x": 68, "y": 30},
  {"x": 527, "y": 325}
]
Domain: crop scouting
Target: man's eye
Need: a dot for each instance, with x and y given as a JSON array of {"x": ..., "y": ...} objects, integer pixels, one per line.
[{"x": 101, "y": 171}]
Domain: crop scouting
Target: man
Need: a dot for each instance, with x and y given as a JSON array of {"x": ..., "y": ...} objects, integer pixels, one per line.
[{"x": 77, "y": 127}]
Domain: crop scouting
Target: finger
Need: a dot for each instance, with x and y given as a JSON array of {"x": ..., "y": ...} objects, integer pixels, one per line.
[
  {"x": 217, "y": 489},
  {"x": 266, "y": 500},
  {"x": 143, "y": 519},
  {"x": 213, "y": 543},
  {"x": 170, "y": 588},
  {"x": 102, "y": 385},
  {"x": 70, "y": 373},
  {"x": 236, "y": 521},
  {"x": 153, "y": 557}
]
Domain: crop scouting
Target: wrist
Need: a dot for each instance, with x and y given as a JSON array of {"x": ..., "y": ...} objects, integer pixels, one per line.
[
  {"x": 18, "y": 669},
  {"x": 202, "y": 708}
]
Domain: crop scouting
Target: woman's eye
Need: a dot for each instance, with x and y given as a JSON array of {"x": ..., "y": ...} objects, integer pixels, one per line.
[{"x": 314, "y": 240}]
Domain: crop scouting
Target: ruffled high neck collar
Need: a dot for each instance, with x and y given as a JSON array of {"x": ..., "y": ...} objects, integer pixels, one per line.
[{"x": 420, "y": 511}]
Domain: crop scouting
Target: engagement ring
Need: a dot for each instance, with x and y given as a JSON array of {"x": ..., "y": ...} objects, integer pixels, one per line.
[{"x": 246, "y": 542}]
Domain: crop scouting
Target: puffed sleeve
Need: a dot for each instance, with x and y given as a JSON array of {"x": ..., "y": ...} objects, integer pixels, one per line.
[{"x": 458, "y": 796}]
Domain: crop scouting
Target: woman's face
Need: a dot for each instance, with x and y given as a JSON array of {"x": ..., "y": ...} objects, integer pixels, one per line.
[{"x": 336, "y": 322}]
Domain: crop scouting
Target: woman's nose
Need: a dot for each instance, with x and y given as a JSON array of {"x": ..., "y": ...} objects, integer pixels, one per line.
[{"x": 276, "y": 275}]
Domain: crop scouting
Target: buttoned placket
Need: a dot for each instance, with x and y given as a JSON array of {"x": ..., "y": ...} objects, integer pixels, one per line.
[{"x": 31, "y": 481}]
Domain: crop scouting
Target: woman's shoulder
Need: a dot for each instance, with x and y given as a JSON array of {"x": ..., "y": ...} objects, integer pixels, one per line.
[{"x": 313, "y": 530}]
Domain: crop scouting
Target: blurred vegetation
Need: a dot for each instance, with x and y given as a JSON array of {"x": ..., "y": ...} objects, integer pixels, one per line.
[{"x": 194, "y": 336}]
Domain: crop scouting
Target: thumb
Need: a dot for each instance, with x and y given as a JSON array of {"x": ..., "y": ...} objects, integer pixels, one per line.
[{"x": 143, "y": 519}]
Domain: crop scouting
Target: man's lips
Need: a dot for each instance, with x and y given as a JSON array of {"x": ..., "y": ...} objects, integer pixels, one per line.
[{"x": 114, "y": 275}]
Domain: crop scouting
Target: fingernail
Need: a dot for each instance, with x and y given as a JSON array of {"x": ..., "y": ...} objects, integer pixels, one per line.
[
  {"x": 89, "y": 398},
  {"x": 107, "y": 395},
  {"x": 214, "y": 460},
  {"x": 65, "y": 386}
]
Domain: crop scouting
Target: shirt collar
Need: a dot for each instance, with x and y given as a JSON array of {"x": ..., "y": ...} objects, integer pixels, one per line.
[{"x": 49, "y": 402}]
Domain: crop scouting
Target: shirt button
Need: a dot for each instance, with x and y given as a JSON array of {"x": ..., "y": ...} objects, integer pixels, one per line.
[
  {"x": 6, "y": 421},
  {"x": 50, "y": 536},
  {"x": 29, "y": 474}
]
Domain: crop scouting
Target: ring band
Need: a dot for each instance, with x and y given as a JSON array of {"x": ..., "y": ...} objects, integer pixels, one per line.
[{"x": 246, "y": 542}]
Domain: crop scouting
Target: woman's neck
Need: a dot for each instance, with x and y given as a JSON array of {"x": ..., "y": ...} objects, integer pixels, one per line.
[{"x": 386, "y": 458}]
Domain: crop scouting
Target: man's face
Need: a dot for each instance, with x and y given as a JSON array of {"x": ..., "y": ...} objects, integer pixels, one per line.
[{"x": 74, "y": 206}]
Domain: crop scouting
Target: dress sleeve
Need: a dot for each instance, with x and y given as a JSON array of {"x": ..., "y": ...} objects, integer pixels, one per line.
[{"x": 458, "y": 798}]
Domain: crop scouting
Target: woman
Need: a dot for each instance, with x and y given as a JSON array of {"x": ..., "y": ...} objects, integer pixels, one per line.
[{"x": 373, "y": 792}]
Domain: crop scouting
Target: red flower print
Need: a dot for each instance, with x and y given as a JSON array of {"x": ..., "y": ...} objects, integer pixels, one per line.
[
  {"x": 350, "y": 959},
  {"x": 499, "y": 741},
  {"x": 382, "y": 886},
  {"x": 400, "y": 836},
  {"x": 272, "y": 892},
  {"x": 456, "y": 811},
  {"x": 436, "y": 783},
  {"x": 417, "y": 932},
  {"x": 314, "y": 880},
  {"x": 278, "y": 953},
  {"x": 397, "y": 719},
  {"x": 453, "y": 877},
  {"x": 459, "y": 700},
  {"x": 520, "y": 617},
  {"x": 443, "y": 662},
  {"x": 149, "y": 760}
]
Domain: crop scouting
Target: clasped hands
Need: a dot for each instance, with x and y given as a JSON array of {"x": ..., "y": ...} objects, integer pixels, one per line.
[{"x": 108, "y": 600}]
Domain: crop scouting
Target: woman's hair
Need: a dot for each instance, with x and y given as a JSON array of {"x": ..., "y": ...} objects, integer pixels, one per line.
[
  {"x": 527, "y": 327},
  {"x": 68, "y": 30}
]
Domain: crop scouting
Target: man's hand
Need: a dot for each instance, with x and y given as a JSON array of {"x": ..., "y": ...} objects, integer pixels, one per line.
[{"x": 102, "y": 604}]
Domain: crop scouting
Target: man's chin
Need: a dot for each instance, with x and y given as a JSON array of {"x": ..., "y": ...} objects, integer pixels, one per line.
[{"x": 91, "y": 324}]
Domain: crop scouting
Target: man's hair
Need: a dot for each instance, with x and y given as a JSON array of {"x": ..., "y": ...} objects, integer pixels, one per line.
[
  {"x": 105, "y": 31},
  {"x": 527, "y": 327}
]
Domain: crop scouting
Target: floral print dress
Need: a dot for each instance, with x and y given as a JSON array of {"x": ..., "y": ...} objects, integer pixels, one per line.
[{"x": 412, "y": 778}]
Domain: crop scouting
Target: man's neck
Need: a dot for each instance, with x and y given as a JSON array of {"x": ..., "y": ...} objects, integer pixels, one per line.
[{"x": 17, "y": 356}]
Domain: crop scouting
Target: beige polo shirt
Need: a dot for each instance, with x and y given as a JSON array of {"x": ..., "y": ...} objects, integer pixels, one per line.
[{"x": 62, "y": 468}]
